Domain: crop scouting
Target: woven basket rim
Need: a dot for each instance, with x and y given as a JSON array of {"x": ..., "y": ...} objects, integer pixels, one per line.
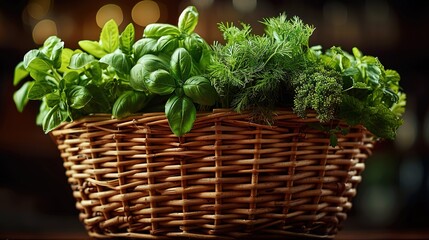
[{"x": 311, "y": 117}]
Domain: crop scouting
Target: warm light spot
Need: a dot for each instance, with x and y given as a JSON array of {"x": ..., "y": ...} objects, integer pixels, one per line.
[
  {"x": 245, "y": 6},
  {"x": 44, "y": 29},
  {"x": 38, "y": 9},
  {"x": 107, "y": 12},
  {"x": 145, "y": 12}
]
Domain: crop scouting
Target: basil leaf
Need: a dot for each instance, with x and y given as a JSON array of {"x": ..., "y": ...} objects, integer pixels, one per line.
[
  {"x": 181, "y": 63},
  {"x": 128, "y": 103},
  {"x": 78, "y": 96},
  {"x": 65, "y": 59},
  {"x": 37, "y": 61},
  {"x": 71, "y": 78},
  {"x": 19, "y": 74},
  {"x": 49, "y": 45},
  {"x": 137, "y": 77},
  {"x": 144, "y": 46},
  {"x": 92, "y": 47},
  {"x": 160, "y": 82},
  {"x": 167, "y": 44},
  {"x": 94, "y": 71},
  {"x": 80, "y": 60},
  {"x": 100, "y": 102},
  {"x": 56, "y": 55},
  {"x": 40, "y": 88},
  {"x": 20, "y": 97},
  {"x": 54, "y": 117},
  {"x": 188, "y": 20},
  {"x": 52, "y": 49},
  {"x": 126, "y": 39},
  {"x": 109, "y": 37},
  {"x": 195, "y": 45},
  {"x": 118, "y": 60},
  {"x": 200, "y": 90},
  {"x": 52, "y": 99},
  {"x": 181, "y": 114},
  {"x": 156, "y": 30},
  {"x": 152, "y": 63}
]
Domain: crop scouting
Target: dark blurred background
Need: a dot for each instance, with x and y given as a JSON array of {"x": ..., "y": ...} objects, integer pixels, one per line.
[{"x": 394, "y": 194}]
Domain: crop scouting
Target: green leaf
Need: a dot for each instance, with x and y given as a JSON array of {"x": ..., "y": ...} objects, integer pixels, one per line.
[
  {"x": 128, "y": 103},
  {"x": 138, "y": 77},
  {"x": 181, "y": 63},
  {"x": 56, "y": 56},
  {"x": 20, "y": 97},
  {"x": 94, "y": 71},
  {"x": 40, "y": 88},
  {"x": 80, "y": 60},
  {"x": 109, "y": 37},
  {"x": 152, "y": 63},
  {"x": 100, "y": 102},
  {"x": 19, "y": 74},
  {"x": 373, "y": 73},
  {"x": 71, "y": 78},
  {"x": 188, "y": 20},
  {"x": 78, "y": 96},
  {"x": 52, "y": 99},
  {"x": 144, "y": 46},
  {"x": 181, "y": 114},
  {"x": 382, "y": 122},
  {"x": 356, "y": 52},
  {"x": 50, "y": 44},
  {"x": 156, "y": 30},
  {"x": 167, "y": 44},
  {"x": 195, "y": 46},
  {"x": 160, "y": 82},
  {"x": 389, "y": 97},
  {"x": 65, "y": 59},
  {"x": 200, "y": 90},
  {"x": 54, "y": 117},
  {"x": 93, "y": 47},
  {"x": 118, "y": 60},
  {"x": 126, "y": 39},
  {"x": 37, "y": 61}
]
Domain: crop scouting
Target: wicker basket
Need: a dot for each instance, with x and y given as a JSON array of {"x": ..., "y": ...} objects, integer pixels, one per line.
[{"x": 226, "y": 179}]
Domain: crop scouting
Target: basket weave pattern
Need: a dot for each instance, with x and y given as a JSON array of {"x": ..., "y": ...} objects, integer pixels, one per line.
[{"x": 226, "y": 179}]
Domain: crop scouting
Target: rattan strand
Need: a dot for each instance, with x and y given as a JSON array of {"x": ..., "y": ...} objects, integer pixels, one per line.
[{"x": 228, "y": 178}]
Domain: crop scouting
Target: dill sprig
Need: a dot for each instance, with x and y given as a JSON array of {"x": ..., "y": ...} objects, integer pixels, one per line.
[{"x": 252, "y": 72}]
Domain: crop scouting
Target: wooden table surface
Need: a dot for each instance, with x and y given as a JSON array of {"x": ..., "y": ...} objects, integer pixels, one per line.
[{"x": 344, "y": 235}]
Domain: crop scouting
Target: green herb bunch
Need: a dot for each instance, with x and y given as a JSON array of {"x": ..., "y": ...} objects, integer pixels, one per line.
[
  {"x": 173, "y": 69},
  {"x": 260, "y": 73},
  {"x": 118, "y": 75},
  {"x": 250, "y": 72}
]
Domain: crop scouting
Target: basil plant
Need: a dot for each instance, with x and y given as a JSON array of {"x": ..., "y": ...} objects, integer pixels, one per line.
[{"x": 164, "y": 70}]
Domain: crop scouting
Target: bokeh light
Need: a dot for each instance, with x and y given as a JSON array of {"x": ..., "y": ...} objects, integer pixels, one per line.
[
  {"x": 107, "y": 12},
  {"x": 38, "y": 9},
  {"x": 44, "y": 29},
  {"x": 145, "y": 12}
]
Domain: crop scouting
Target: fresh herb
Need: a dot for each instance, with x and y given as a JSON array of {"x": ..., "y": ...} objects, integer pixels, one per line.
[
  {"x": 119, "y": 75},
  {"x": 279, "y": 68},
  {"x": 172, "y": 69}
]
